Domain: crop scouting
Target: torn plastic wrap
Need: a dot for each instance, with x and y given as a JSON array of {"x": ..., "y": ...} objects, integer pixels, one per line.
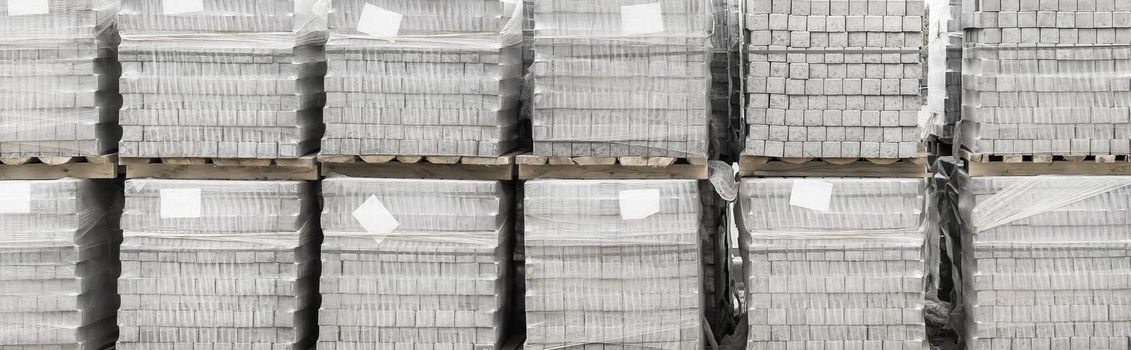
[
  {"x": 1048, "y": 79},
  {"x": 222, "y": 79},
  {"x": 1046, "y": 262},
  {"x": 613, "y": 262},
  {"x": 839, "y": 79},
  {"x": 420, "y": 262},
  {"x": 423, "y": 78},
  {"x": 836, "y": 262},
  {"x": 622, "y": 78},
  {"x": 58, "y": 78},
  {"x": 58, "y": 264},
  {"x": 233, "y": 264}
]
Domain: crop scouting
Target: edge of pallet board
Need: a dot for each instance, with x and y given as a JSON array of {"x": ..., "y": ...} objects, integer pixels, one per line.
[
  {"x": 915, "y": 167},
  {"x": 612, "y": 172},
  {"x": 1043, "y": 164},
  {"x": 421, "y": 170},
  {"x": 507, "y": 159},
  {"x": 89, "y": 167},
  {"x": 535, "y": 160},
  {"x": 220, "y": 172},
  {"x": 301, "y": 162}
]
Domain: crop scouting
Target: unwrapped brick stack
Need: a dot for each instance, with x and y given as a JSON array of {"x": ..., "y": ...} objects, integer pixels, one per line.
[
  {"x": 219, "y": 265},
  {"x": 58, "y": 78},
  {"x": 1047, "y": 77},
  {"x": 1046, "y": 262},
  {"x": 828, "y": 78},
  {"x": 221, "y": 79},
  {"x": 58, "y": 264},
  {"x": 415, "y": 263},
  {"x": 613, "y": 263},
  {"x": 445, "y": 80},
  {"x": 617, "y": 78},
  {"x": 835, "y": 263}
]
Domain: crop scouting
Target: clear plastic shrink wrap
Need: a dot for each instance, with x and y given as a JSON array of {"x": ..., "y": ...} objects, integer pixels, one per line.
[
  {"x": 58, "y": 264},
  {"x": 613, "y": 262},
  {"x": 836, "y": 263},
  {"x": 424, "y": 263},
  {"x": 834, "y": 78},
  {"x": 58, "y": 78},
  {"x": 622, "y": 77},
  {"x": 1046, "y": 262},
  {"x": 410, "y": 77},
  {"x": 1047, "y": 77},
  {"x": 222, "y": 78},
  {"x": 219, "y": 265}
]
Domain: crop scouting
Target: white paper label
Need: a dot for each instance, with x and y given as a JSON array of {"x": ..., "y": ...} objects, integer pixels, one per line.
[
  {"x": 15, "y": 198},
  {"x": 177, "y": 7},
  {"x": 27, "y": 7},
  {"x": 377, "y": 21},
  {"x": 180, "y": 203},
  {"x": 811, "y": 194},
  {"x": 639, "y": 204},
  {"x": 641, "y": 19},
  {"x": 374, "y": 217}
]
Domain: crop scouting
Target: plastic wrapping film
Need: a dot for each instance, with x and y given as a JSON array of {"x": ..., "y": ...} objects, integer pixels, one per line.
[
  {"x": 1046, "y": 262},
  {"x": 622, "y": 77},
  {"x": 836, "y": 262},
  {"x": 955, "y": 36},
  {"x": 222, "y": 78},
  {"x": 834, "y": 78},
  {"x": 613, "y": 263},
  {"x": 940, "y": 38},
  {"x": 423, "y": 78},
  {"x": 219, "y": 264},
  {"x": 58, "y": 263},
  {"x": 58, "y": 78},
  {"x": 1047, "y": 78},
  {"x": 424, "y": 263}
]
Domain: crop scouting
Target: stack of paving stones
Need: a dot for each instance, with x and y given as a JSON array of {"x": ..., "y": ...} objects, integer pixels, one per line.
[
  {"x": 219, "y": 264},
  {"x": 604, "y": 89},
  {"x": 1047, "y": 77},
  {"x": 834, "y": 79},
  {"x": 593, "y": 278},
  {"x": 439, "y": 278},
  {"x": 58, "y": 78},
  {"x": 58, "y": 264},
  {"x": 1046, "y": 262},
  {"x": 851, "y": 277},
  {"x": 954, "y": 38},
  {"x": 446, "y": 83},
  {"x": 235, "y": 80}
]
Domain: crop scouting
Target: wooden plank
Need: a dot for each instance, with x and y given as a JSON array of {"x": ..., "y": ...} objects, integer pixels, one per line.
[
  {"x": 530, "y": 159},
  {"x": 303, "y": 162},
  {"x": 595, "y": 160},
  {"x": 220, "y": 172},
  {"x": 697, "y": 160},
  {"x": 57, "y": 160},
  {"x": 43, "y": 171},
  {"x": 674, "y": 171},
  {"x": 15, "y": 160},
  {"x": 336, "y": 159},
  {"x": 763, "y": 166},
  {"x": 422, "y": 170},
  {"x": 443, "y": 160},
  {"x": 1053, "y": 168},
  {"x": 184, "y": 161}
]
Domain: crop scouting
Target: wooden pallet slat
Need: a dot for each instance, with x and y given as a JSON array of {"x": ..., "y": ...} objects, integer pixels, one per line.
[
  {"x": 833, "y": 167},
  {"x": 53, "y": 168},
  {"x": 558, "y": 167},
  {"x": 203, "y": 168},
  {"x": 1044, "y": 164},
  {"x": 416, "y": 166}
]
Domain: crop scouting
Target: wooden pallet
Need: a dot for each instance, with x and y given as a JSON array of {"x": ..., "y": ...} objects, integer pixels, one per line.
[
  {"x": 422, "y": 167},
  {"x": 51, "y": 168},
  {"x": 541, "y": 167},
  {"x": 1042, "y": 164},
  {"x": 833, "y": 167},
  {"x": 303, "y": 168}
]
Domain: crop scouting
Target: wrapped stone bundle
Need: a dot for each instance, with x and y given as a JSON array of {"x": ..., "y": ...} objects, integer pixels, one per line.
[
  {"x": 424, "y": 263},
  {"x": 834, "y": 79},
  {"x": 835, "y": 263},
  {"x": 219, "y": 264},
  {"x": 58, "y": 264},
  {"x": 438, "y": 78},
  {"x": 221, "y": 78},
  {"x": 1046, "y": 262},
  {"x": 58, "y": 78},
  {"x": 617, "y": 78},
  {"x": 613, "y": 263},
  {"x": 1046, "y": 78}
]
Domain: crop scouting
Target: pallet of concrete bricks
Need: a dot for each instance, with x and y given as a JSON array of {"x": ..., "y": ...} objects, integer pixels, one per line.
[
  {"x": 415, "y": 263},
  {"x": 833, "y": 79},
  {"x": 220, "y": 79},
  {"x": 58, "y": 78},
  {"x": 438, "y": 78},
  {"x": 219, "y": 264},
  {"x": 58, "y": 264},
  {"x": 1046, "y": 77},
  {"x": 613, "y": 263},
  {"x": 1046, "y": 262},
  {"x": 835, "y": 263},
  {"x": 622, "y": 78}
]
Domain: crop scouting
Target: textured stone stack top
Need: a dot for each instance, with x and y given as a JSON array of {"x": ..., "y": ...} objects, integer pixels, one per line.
[{"x": 844, "y": 267}]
